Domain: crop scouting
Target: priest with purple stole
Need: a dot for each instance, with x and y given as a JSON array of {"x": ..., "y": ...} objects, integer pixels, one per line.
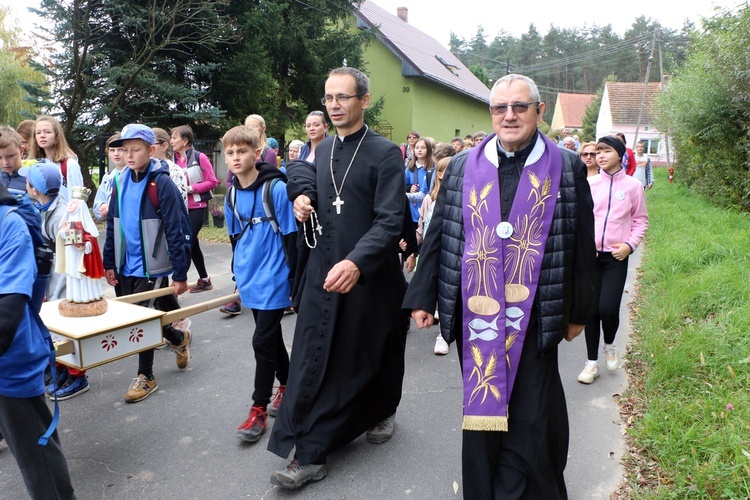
[{"x": 509, "y": 259}]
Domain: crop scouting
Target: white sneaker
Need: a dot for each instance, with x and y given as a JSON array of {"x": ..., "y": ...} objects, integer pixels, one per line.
[
  {"x": 589, "y": 373},
  {"x": 441, "y": 346},
  {"x": 613, "y": 363}
]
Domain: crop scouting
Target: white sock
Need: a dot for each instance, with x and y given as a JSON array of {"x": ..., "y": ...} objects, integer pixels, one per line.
[
  {"x": 592, "y": 363},
  {"x": 609, "y": 346}
]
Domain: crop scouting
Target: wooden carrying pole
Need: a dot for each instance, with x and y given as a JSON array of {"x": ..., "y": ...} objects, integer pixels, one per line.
[
  {"x": 184, "y": 312},
  {"x": 151, "y": 294}
]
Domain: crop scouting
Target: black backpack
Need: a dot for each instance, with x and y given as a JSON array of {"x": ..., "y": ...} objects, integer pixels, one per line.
[{"x": 268, "y": 206}]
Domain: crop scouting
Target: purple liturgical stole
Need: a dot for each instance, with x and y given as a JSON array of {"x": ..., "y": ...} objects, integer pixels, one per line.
[{"x": 499, "y": 276}]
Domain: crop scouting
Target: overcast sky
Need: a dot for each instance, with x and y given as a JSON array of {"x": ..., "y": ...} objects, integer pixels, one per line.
[{"x": 441, "y": 17}]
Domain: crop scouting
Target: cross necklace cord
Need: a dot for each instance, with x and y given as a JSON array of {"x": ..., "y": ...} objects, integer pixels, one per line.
[{"x": 337, "y": 189}]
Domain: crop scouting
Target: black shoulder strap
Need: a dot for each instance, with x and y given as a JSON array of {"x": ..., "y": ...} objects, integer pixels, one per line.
[
  {"x": 268, "y": 204},
  {"x": 268, "y": 208}
]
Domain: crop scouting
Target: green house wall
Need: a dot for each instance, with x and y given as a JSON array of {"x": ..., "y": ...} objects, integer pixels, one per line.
[{"x": 413, "y": 103}]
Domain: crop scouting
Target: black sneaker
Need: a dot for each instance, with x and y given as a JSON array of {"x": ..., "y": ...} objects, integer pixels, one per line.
[
  {"x": 233, "y": 308},
  {"x": 254, "y": 427},
  {"x": 62, "y": 377},
  {"x": 382, "y": 432},
  {"x": 72, "y": 387}
]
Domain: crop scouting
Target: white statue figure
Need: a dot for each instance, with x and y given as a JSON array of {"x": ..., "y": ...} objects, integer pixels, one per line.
[{"x": 78, "y": 254}]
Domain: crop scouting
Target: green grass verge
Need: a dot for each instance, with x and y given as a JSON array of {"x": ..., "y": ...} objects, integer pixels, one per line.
[
  {"x": 214, "y": 234},
  {"x": 690, "y": 355}
]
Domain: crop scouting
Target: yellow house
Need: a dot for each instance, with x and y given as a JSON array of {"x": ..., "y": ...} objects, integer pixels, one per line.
[
  {"x": 569, "y": 110},
  {"x": 426, "y": 88}
]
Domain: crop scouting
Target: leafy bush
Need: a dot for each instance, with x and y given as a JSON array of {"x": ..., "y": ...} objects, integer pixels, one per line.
[{"x": 706, "y": 111}]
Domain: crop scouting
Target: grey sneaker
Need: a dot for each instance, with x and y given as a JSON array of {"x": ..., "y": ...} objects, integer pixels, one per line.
[
  {"x": 295, "y": 476},
  {"x": 382, "y": 432}
]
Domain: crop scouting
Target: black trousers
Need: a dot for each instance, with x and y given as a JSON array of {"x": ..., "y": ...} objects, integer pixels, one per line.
[
  {"x": 44, "y": 468},
  {"x": 128, "y": 285},
  {"x": 271, "y": 357},
  {"x": 197, "y": 215},
  {"x": 528, "y": 461},
  {"x": 605, "y": 311}
]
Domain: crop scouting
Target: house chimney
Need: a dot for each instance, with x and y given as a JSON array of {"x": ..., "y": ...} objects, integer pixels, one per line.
[{"x": 403, "y": 14}]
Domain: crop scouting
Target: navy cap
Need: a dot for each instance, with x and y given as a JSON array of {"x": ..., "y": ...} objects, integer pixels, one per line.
[
  {"x": 134, "y": 131},
  {"x": 44, "y": 177}
]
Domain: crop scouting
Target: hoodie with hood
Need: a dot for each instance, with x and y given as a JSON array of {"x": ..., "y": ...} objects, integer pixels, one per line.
[{"x": 260, "y": 254}]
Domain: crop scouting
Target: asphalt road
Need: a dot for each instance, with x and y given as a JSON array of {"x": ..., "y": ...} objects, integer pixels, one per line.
[{"x": 180, "y": 442}]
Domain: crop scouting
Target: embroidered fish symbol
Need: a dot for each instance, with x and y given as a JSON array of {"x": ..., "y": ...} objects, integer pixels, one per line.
[
  {"x": 513, "y": 317},
  {"x": 481, "y": 329}
]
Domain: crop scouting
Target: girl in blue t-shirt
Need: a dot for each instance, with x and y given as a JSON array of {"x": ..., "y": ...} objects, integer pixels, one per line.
[{"x": 418, "y": 174}]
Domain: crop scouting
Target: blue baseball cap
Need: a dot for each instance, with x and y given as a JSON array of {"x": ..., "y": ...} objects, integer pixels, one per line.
[
  {"x": 44, "y": 177},
  {"x": 272, "y": 143},
  {"x": 134, "y": 131}
]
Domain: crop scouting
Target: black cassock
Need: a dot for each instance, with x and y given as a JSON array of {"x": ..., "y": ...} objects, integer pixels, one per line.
[{"x": 347, "y": 362}]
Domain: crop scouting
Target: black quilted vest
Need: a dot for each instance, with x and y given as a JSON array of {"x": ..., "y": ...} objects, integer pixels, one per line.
[{"x": 553, "y": 300}]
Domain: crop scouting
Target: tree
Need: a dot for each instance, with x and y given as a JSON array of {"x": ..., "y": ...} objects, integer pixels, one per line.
[
  {"x": 128, "y": 60},
  {"x": 706, "y": 111},
  {"x": 279, "y": 68},
  {"x": 456, "y": 45},
  {"x": 480, "y": 73},
  {"x": 15, "y": 105}
]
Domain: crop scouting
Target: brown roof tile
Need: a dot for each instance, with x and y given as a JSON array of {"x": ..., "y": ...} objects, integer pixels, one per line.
[
  {"x": 573, "y": 108},
  {"x": 625, "y": 100}
]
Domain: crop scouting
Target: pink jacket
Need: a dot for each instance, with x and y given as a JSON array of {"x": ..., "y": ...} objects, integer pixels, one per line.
[
  {"x": 209, "y": 179},
  {"x": 620, "y": 214}
]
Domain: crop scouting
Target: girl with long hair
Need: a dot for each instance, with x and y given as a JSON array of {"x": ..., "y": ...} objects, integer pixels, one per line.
[
  {"x": 49, "y": 143},
  {"x": 418, "y": 173}
]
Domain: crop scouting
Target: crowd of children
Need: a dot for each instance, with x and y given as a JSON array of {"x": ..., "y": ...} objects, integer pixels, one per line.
[{"x": 154, "y": 200}]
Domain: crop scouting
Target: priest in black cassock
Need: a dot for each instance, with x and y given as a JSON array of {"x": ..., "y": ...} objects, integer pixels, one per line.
[{"x": 347, "y": 362}]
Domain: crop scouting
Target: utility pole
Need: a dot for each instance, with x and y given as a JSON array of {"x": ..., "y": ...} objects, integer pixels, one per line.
[
  {"x": 666, "y": 132},
  {"x": 645, "y": 88}
]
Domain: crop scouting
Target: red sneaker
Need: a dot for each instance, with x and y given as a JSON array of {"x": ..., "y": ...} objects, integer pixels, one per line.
[
  {"x": 202, "y": 285},
  {"x": 254, "y": 427},
  {"x": 273, "y": 408}
]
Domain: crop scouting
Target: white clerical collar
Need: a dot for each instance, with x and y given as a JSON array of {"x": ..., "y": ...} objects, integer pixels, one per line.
[{"x": 354, "y": 135}]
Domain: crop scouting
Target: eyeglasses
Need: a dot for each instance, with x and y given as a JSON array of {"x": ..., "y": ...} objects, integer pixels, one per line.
[
  {"x": 588, "y": 154},
  {"x": 518, "y": 108},
  {"x": 340, "y": 98}
]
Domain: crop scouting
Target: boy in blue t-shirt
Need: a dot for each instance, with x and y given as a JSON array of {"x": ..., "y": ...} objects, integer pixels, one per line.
[
  {"x": 146, "y": 243},
  {"x": 260, "y": 266},
  {"x": 24, "y": 354}
]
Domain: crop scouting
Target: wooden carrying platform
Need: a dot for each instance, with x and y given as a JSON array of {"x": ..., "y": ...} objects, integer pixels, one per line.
[{"x": 125, "y": 329}]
